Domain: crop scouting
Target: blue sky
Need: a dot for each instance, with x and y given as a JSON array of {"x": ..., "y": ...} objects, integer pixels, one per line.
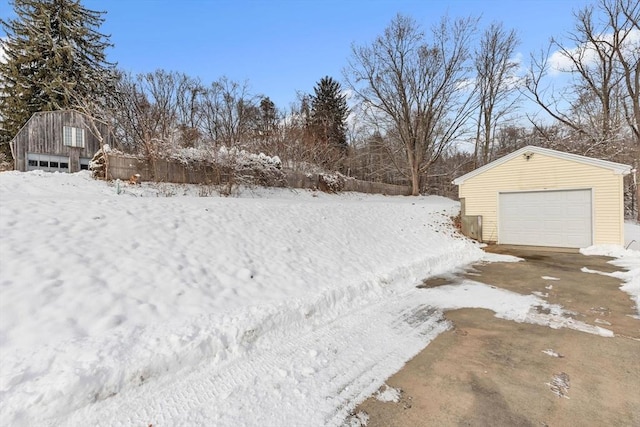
[{"x": 284, "y": 46}]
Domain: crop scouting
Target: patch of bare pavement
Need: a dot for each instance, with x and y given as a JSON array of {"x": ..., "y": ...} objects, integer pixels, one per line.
[{"x": 487, "y": 371}]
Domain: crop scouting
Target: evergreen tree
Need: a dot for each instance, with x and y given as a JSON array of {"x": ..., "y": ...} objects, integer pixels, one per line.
[
  {"x": 55, "y": 59},
  {"x": 329, "y": 113},
  {"x": 267, "y": 119}
]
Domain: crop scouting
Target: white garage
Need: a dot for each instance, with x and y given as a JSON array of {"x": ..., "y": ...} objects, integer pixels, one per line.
[{"x": 540, "y": 197}]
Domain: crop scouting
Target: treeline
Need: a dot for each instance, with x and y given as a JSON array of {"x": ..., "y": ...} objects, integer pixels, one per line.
[
  {"x": 424, "y": 106},
  {"x": 155, "y": 112}
]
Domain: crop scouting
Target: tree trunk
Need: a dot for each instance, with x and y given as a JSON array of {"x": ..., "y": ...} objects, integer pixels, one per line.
[
  {"x": 415, "y": 172},
  {"x": 476, "y": 152},
  {"x": 415, "y": 181},
  {"x": 487, "y": 137},
  {"x": 636, "y": 183}
]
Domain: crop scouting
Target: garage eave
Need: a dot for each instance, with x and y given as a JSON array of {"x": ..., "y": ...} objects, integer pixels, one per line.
[{"x": 616, "y": 168}]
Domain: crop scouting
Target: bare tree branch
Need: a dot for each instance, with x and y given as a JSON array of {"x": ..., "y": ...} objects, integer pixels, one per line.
[{"x": 419, "y": 89}]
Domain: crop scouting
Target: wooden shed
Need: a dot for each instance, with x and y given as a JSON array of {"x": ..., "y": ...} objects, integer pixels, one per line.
[
  {"x": 540, "y": 197},
  {"x": 62, "y": 141}
]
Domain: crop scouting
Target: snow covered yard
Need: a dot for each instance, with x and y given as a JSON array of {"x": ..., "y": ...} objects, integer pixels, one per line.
[
  {"x": 278, "y": 307},
  {"x": 627, "y": 258}
]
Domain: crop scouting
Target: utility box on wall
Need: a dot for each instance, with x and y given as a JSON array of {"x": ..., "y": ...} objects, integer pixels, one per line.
[{"x": 472, "y": 226}]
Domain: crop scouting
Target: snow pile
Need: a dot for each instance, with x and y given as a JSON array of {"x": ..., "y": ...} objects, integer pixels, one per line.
[
  {"x": 628, "y": 258},
  {"x": 389, "y": 394},
  {"x": 103, "y": 293}
]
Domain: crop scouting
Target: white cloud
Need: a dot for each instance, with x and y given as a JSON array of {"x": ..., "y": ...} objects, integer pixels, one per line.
[
  {"x": 349, "y": 95},
  {"x": 559, "y": 62},
  {"x": 586, "y": 55},
  {"x": 518, "y": 59}
]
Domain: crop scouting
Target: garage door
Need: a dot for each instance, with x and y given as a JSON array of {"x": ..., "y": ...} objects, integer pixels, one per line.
[
  {"x": 47, "y": 163},
  {"x": 545, "y": 218}
]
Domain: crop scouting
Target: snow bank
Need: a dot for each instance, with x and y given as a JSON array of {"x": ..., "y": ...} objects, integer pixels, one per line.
[
  {"x": 102, "y": 292},
  {"x": 626, "y": 257},
  {"x": 632, "y": 235}
]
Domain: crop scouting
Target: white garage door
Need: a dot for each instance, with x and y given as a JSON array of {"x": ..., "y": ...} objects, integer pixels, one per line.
[
  {"x": 47, "y": 163},
  {"x": 545, "y": 218}
]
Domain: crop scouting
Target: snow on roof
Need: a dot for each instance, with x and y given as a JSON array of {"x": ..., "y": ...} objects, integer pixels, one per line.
[{"x": 617, "y": 168}]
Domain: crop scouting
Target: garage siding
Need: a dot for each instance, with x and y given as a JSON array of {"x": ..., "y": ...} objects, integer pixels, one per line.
[{"x": 543, "y": 172}]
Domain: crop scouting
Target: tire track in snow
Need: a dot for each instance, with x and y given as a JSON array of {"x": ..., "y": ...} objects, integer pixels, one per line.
[{"x": 341, "y": 362}]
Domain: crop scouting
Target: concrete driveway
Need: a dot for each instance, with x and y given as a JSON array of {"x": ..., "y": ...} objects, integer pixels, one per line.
[{"x": 492, "y": 372}]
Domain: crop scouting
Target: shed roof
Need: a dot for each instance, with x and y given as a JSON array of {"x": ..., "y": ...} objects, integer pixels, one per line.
[
  {"x": 617, "y": 168},
  {"x": 66, "y": 110}
]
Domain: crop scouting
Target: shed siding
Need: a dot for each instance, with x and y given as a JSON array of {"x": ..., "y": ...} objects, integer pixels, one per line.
[
  {"x": 542, "y": 172},
  {"x": 42, "y": 134}
]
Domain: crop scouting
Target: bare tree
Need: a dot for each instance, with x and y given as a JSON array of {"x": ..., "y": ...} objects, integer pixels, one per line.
[
  {"x": 189, "y": 92},
  {"x": 297, "y": 145},
  {"x": 160, "y": 88},
  {"x": 624, "y": 21},
  {"x": 601, "y": 106},
  {"x": 374, "y": 158},
  {"x": 229, "y": 110},
  {"x": 420, "y": 90},
  {"x": 496, "y": 85},
  {"x": 601, "y": 56},
  {"x": 146, "y": 113}
]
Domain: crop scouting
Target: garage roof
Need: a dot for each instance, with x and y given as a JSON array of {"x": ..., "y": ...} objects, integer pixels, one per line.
[{"x": 617, "y": 168}]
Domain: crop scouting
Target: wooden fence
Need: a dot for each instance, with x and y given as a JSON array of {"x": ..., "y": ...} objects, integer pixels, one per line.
[
  {"x": 161, "y": 170},
  {"x": 376, "y": 188},
  {"x": 306, "y": 180}
]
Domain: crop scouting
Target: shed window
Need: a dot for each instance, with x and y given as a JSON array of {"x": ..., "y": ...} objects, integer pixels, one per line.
[{"x": 73, "y": 137}]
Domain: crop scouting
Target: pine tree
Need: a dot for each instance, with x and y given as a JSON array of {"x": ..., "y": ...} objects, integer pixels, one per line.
[
  {"x": 329, "y": 113},
  {"x": 267, "y": 119},
  {"x": 55, "y": 59}
]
